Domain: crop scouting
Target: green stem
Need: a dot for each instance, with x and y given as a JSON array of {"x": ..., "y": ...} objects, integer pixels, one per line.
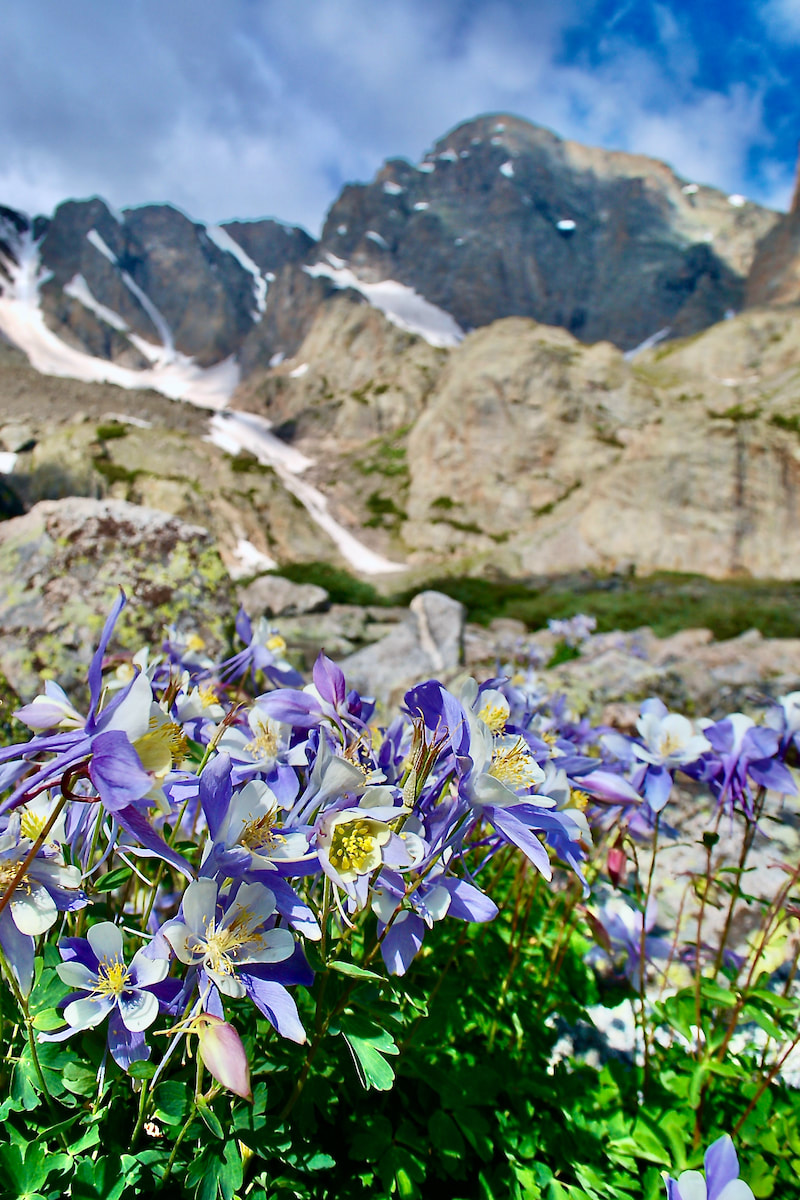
[
  {"x": 137, "y": 1129},
  {"x": 31, "y": 855}
]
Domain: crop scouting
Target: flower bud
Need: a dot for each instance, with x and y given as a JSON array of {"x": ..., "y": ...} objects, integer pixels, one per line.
[{"x": 221, "y": 1050}]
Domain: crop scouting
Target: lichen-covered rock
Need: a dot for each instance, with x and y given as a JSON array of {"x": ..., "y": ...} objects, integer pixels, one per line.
[{"x": 61, "y": 566}]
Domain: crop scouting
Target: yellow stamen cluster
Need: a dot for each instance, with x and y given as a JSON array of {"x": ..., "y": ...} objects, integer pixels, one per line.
[
  {"x": 352, "y": 847},
  {"x": 195, "y": 643},
  {"x": 668, "y": 743},
  {"x": 112, "y": 978},
  {"x": 207, "y": 695},
  {"x": 579, "y": 799},
  {"x": 549, "y": 738},
  {"x": 220, "y": 947},
  {"x": 163, "y": 746},
  {"x": 513, "y": 765},
  {"x": 264, "y": 742},
  {"x": 276, "y": 644},
  {"x": 8, "y": 870},
  {"x": 494, "y": 715},
  {"x": 31, "y": 825},
  {"x": 258, "y": 833}
]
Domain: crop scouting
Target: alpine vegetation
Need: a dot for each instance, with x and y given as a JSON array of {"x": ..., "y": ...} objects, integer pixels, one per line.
[{"x": 259, "y": 938}]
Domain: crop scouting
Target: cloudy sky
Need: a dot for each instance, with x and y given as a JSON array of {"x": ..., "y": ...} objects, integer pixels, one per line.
[{"x": 248, "y": 108}]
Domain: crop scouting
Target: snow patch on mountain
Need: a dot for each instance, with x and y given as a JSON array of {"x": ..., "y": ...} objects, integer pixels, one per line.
[
  {"x": 173, "y": 374},
  {"x": 232, "y": 431},
  {"x": 400, "y": 304},
  {"x": 223, "y": 241},
  {"x": 79, "y": 290},
  {"x": 94, "y": 238}
]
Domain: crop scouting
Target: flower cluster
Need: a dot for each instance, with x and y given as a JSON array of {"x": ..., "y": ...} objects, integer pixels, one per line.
[{"x": 224, "y": 834}]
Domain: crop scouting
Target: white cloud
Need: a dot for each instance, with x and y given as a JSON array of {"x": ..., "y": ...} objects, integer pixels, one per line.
[
  {"x": 230, "y": 108},
  {"x": 782, "y": 18}
]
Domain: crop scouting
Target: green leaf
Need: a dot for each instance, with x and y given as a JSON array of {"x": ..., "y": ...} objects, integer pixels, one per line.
[
  {"x": 113, "y": 879},
  {"x": 79, "y": 1079},
  {"x": 144, "y": 1069},
  {"x": 373, "y": 1069},
  {"x": 210, "y": 1118},
  {"x": 172, "y": 1102},
  {"x": 48, "y": 1019},
  {"x": 354, "y": 971}
]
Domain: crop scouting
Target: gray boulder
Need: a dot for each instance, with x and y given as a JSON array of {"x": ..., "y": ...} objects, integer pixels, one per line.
[
  {"x": 274, "y": 596},
  {"x": 428, "y": 642}
]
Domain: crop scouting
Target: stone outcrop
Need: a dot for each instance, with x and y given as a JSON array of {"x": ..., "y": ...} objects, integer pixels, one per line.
[
  {"x": 63, "y": 563},
  {"x": 504, "y": 218},
  {"x": 428, "y": 643}
]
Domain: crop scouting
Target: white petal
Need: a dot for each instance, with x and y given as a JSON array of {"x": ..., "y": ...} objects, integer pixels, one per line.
[
  {"x": 277, "y": 945},
  {"x": 199, "y": 905},
  {"x": 437, "y": 902},
  {"x": 33, "y": 911},
  {"x": 229, "y": 985},
  {"x": 692, "y": 1185},
  {"x": 257, "y": 899},
  {"x": 145, "y": 970},
  {"x": 737, "y": 1189},
  {"x": 105, "y": 940},
  {"x": 138, "y": 1010},
  {"x": 83, "y": 1014},
  {"x": 178, "y": 936},
  {"x": 133, "y": 715},
  {"x": 75, "y": 974}
]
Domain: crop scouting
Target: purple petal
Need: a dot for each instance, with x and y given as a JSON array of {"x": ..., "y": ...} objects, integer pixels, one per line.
[
  {"x": 402, "y": 943},
  {"x": 276, "y": 1004},
  {"x": 291, "y": 707},
  {"x": 513, "y": 829},
  {"x": 657, "y": 787},
  {"x": 18, "y": 949},
  {"x": 138, "y": 825},
  {"x": 721, "y": 1165},
  {"x": 773, "y": 775},
  {"x": 116, "y": 770},
  {"x": 468, "y": 903},
  {"x": 243, "y": 627},
  {"x": 95, "y": 676},
  {"x": 215, "y": 791},
  {"x": 329, "y": 680},
  {"x": 126, "y": 1046}
]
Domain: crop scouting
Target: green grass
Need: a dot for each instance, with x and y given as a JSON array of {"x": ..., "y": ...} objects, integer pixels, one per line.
[{"x": 666, "y": 602}]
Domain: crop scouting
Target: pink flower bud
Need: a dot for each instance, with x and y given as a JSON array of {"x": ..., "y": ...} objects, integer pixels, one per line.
[
  {"x": 221, "y": 1050},
  {"x": 617, "y": 865}
]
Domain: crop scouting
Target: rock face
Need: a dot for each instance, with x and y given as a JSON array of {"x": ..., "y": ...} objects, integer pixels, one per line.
[
  {"x": 63, "y": 563},
  {"x": 428, "y": 643},
  {"x": 775, "y": 272},
  {"x": 526, "y": 452},
  {"x": 502, "y": 218}
]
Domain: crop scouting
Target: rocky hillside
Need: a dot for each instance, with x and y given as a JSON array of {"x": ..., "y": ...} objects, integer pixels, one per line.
[
  {"x": 525, "y": 450},
  {"x": 521, "y": 451},
  {"x": 502, "y": 218}
]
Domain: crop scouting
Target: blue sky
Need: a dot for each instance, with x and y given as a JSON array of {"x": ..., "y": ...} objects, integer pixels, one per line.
[{"x": 247, "y": 108}]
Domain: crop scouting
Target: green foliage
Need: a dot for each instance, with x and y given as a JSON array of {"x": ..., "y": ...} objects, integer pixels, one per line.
[
  {"x": 342, "y": 587},
  {"x": 383, "y": 510},
  {"x": 790, "y": 424},
  {"x": 667, "y": 602},
  {"x": 111, "y": 430}
]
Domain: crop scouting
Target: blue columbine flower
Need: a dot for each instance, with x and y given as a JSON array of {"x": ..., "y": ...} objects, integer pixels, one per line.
[
  {"x": 721, "y": 1180},
  {"x": 96, "y": 965}
]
